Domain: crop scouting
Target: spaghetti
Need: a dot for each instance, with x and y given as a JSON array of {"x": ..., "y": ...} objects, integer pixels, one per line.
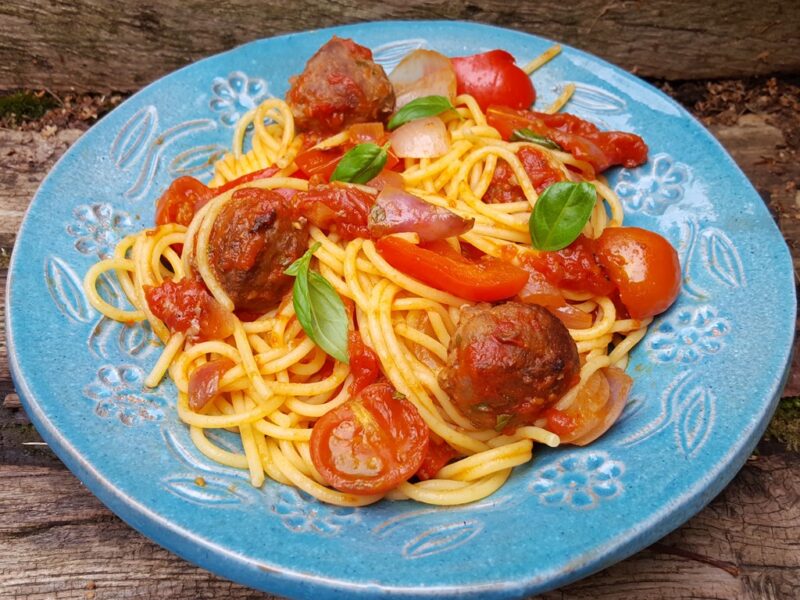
[{"x": 278, "y": 382}]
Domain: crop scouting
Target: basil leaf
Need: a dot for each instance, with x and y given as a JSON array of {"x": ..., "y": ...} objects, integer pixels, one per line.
[
  {"x": 319, "y": 308},
  {"x": 361, "y": 164},
  {"x": 560, "y": 214},
  {"x": 526, "y": 135},
  {"x": 427, "y": 106}
]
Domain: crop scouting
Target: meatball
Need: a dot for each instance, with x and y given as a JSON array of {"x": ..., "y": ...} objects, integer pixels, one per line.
[
  {"x": 340, "y": 85},
  {"x": 253, "y": 240},
  {"x": 507, "y": 363}
]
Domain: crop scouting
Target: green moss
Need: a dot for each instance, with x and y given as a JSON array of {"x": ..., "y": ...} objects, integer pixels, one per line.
[
  {"x": 785, "y": 425},
  {"x": 25, "y": 106}
]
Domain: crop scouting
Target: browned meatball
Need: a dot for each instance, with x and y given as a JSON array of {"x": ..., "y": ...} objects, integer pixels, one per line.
[
  {"x": 253, "y": 240},
  {"x": 508, "y": 362},
  {"x": 340, "y": 85}
]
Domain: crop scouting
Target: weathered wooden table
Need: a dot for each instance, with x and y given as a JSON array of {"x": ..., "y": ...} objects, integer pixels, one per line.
[{"x": 58, "y": 541}]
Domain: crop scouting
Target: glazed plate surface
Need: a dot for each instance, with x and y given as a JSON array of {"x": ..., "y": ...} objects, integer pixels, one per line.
[{"x": 707, "y": 376}]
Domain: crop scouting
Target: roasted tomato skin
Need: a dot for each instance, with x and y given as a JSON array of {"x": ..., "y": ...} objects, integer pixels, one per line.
[
  {"x": 644, "y": 266},
  {"x": 182, "y": 199},
  {"x": 364, "y": 363},
  {"x": 337, "y": 207},
  {"x": 437, "y": 455},
  {"x": 186, "y": 306},
  {"x": 371, "y": 443},
  {"x": 600, "y": 149},
  {"x": 575, "y": 268},
  {"x": 504, "y": 186}
]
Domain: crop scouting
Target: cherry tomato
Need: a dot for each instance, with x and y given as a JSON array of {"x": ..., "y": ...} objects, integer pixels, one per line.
[
  {"x": 574, "y": 268},
  {"x": 644, "y": 266},
  {"x": 188, "y": 307},
  {"x": 437, "y": 455},
  {"x": 441, "y": 267},
  {"x": 371, "y": 443},
  {"x": 183, "y": 198},
  {"x": 494, "y": 78},
  {"x": 364, "y": 363}
]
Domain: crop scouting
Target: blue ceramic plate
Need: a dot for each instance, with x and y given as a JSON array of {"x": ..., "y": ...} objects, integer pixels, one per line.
[{"x": 707, "y": 375}]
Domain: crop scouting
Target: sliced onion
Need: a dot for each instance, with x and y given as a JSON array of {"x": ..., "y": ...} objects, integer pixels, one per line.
[
  {"x": 204, "y": 382},
  {"x": 397, "y": 211},
  {"x": 423, "y": 73},
  {"x": 420, "y": 138},
  {"x": 589, "y": 406},
  {"x": 386, "y": 178},
  {"x": 571, "y": 317},
  {"x": 619, "y": 384}
]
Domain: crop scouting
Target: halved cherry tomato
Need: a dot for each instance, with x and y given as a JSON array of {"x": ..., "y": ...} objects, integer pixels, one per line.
[
  {"x": 437, "y": 455},
  {"x": 643, "y": 265},
  {"x": 494, "y": 78},
  {"x": 182, "y": 199},
  {"x": 441, "y": 267},
  {"x": 364, "y": 363},
  {"x": 188, "y": 307},
  {"x": 371, "y": 443}
]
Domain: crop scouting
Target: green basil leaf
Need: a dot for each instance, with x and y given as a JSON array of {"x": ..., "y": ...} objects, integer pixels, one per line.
[
  {"x": 427, "y": 106},
  {"x": 526, "y": 135},
  {"x": 560, "y": 214},
  {"x": 319, "y": 308},
  {"x": 361, "y": 164}
]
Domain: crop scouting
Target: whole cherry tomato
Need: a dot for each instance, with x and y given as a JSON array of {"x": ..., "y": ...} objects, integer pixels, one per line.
[
  {"x": 494, "y": 78},
  {"x": 643, "y": 265},
  {"x": 371, "y": 443}
]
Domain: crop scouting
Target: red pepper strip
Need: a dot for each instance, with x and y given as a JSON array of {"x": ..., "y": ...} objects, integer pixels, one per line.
[{"x": 441, "y": 267}]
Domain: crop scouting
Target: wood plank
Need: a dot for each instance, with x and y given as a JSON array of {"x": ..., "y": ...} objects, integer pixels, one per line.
[
  {"x": 67, "y": 543},
  {"x": 102, "y": 45},
  {"x": 58, "y": 541}
]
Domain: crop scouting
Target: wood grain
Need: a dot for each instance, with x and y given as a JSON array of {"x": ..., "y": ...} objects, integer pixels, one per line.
[
  {"x": 69, "y": 544},
  {"x": 101, "y": 45}
]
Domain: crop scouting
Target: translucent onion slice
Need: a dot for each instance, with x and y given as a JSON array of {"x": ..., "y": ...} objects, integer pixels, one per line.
[
  {"x": 619, "y": 384},
  {"x": 421, "y": 138},
  {"x": 423, "y": 73}
]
